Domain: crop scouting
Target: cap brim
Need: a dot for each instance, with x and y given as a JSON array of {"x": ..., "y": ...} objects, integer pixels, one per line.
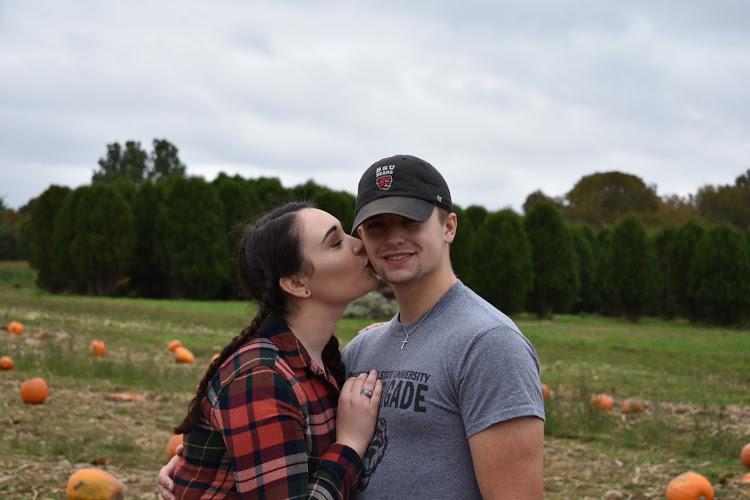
[{"x": 411, "y": 208}]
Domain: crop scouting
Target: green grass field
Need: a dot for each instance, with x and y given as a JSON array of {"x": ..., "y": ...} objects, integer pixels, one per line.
[{"x": 694, "y": 380}]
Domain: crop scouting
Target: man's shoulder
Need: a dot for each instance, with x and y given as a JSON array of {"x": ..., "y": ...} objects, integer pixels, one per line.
[{"x": 476, "y": 315}]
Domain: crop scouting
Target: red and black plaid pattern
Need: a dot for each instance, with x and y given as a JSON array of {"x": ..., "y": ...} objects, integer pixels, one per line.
[{"x": 268, "y": 428}]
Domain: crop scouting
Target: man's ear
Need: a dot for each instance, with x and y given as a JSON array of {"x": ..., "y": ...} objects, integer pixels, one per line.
[
  {"x": 296, "y": 286},
  {"x": 359, "y": 230},
  {"x": 449, "y": 227}
]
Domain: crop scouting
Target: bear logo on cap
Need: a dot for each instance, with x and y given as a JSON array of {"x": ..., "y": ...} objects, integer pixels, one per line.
[{"x": 384, "y": 176}]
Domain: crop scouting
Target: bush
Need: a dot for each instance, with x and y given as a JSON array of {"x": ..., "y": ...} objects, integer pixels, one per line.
[{"x": 372, "y": 306}]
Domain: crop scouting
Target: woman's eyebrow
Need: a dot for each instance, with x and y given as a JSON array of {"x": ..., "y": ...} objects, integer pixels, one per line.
[{"x": 331, "y": 230}]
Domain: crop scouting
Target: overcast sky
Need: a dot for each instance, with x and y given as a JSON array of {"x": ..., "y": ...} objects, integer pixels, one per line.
[{"x": 502, "y": 97}]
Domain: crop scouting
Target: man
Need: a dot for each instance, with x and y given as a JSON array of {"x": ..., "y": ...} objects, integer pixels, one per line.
[{"x": 462, "y": 411}]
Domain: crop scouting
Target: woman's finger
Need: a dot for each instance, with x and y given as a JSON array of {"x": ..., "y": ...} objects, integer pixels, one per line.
[{"x": 377, "y": 393}]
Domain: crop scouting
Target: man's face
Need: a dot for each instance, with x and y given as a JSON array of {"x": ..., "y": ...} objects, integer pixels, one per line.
[{"x": 402, "y": 250}]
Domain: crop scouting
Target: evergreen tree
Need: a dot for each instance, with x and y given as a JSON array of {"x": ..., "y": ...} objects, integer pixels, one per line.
[
  {"x": 190, "y": 232},
  {"x": 461, "y": 258},
  {"x": 102, "y": 245},
  {"x": 42, "y": 229},
  {"x": 475, "y": 214},
  {"x": 501, "y": 257},
  {"x": 681, "y": 253},
  {"x": 339, "y": 203},
  {"x": 666, "y": 303},
  {"x": 585, "y": 264},
  {"x": 633, "y": 268},
  {"x": 63, "y": 276},
  {"x": 271, "y": 192},
  {"x": 149, "y": 277},
  {"x": 556, "y": 284},
  {"x": 604, "y": 295},
  {"x": 720, "y": 276}
]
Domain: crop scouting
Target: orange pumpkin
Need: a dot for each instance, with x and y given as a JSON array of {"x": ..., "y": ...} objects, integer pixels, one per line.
[
  {"x": 174, "y": 344},
  {"x": 182, "y": 355},
  {"x": 546, "y": 392},
  {"x": 172, "y": 445},
  {"x": 745, "y": 479},
  {"x": 690, "y": 486},
  {"x": 15, "y": 327},
  {"x": 602, "y": 402},
  {"x": 745, "y": 455},
  {"x": 6, "y": 363},
  {"x": 98, "y": 348},
  {"x": 90, "y": 483},
  {"x": 631, "y": 406},
  {"x": 34, "y": 391}
]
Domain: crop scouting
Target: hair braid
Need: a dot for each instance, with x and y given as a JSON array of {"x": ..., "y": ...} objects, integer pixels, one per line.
[
  {"x": 332, "y": 360},
  {"x": 194, "y": 408}
]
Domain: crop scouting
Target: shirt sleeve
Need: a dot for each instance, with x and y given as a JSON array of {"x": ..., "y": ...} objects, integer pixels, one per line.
[
  {"x": 264, "y": 432},
  {"x": 499, "y": 379}
]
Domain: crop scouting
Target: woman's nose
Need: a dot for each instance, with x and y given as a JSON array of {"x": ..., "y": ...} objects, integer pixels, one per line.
[{"x": 357, "y": 246}]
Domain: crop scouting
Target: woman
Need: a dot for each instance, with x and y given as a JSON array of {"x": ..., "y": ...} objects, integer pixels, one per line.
[{"x": 262, "y": 423}]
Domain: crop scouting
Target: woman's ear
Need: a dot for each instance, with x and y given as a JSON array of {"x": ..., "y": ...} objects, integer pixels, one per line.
[{"x": 295, "y": 286}]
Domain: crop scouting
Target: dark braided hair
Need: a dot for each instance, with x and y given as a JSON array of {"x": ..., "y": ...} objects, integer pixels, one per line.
[{"x": 269, "y": 250}]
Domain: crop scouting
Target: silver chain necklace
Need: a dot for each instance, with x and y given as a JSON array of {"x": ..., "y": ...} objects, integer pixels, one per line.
[{"x": 407, "y": 332}]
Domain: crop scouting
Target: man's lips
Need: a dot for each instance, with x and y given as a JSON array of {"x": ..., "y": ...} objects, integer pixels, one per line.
[{"x": 396, "y": 257}]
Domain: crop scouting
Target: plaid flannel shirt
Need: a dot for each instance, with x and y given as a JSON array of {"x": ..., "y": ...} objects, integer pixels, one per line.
[{"x": 268, "y": 428}]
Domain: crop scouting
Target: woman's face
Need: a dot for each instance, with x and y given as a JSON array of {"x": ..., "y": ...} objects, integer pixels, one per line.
[{"x": 341, "y": 272}]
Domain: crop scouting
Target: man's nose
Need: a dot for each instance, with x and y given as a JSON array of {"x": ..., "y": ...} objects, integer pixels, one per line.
[{"x": 394, "y": 235}]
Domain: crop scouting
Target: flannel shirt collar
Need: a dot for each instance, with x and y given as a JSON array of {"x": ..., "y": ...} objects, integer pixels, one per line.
[{"x": 275, "y": 329}]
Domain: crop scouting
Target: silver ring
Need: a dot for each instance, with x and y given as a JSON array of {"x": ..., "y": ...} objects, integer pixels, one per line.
[{"x": 366, "y": 393}]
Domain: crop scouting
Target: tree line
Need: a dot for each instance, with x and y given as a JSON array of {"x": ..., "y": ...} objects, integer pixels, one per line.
[{"x": 143, "y": 227}]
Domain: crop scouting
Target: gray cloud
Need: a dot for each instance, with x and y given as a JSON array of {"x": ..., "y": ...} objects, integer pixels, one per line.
[{"x": 503, "y": 97}]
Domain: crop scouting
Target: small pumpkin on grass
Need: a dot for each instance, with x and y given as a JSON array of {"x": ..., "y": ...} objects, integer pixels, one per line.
[
  {"x": 98, "y": 348},
  {"x": 6, "y": 363},
  {"x": 182, "y": 355},
  {"x": 547, "y": 392},
  {"x": 172, "y": 444},
  {"x": 15, "y": 327},
  {"x": 34, "y": 391},
  {"x": 93, "y": 484},
  {"x": 631, "y": 406},
  {"x": 745, "y": 455},
  {"x": 690, "y": 486},
  {"x": 745, "y": 479},
  {"x": 602, "y": 402},
  {"x": 174, "y": 344}
]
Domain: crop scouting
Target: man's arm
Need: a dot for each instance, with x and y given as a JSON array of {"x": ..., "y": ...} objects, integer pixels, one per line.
[{"x": 508, "y": 459}]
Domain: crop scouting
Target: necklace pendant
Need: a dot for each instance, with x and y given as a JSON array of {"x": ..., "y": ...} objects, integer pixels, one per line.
[{"x": 403, "y": 343}]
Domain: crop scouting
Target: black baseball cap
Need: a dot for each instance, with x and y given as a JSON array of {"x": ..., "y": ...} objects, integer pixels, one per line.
[{"x": 403, "y": 185}]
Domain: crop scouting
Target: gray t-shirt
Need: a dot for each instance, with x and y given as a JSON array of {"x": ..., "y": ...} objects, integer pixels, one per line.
[{"x": 465, "y": 368}]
